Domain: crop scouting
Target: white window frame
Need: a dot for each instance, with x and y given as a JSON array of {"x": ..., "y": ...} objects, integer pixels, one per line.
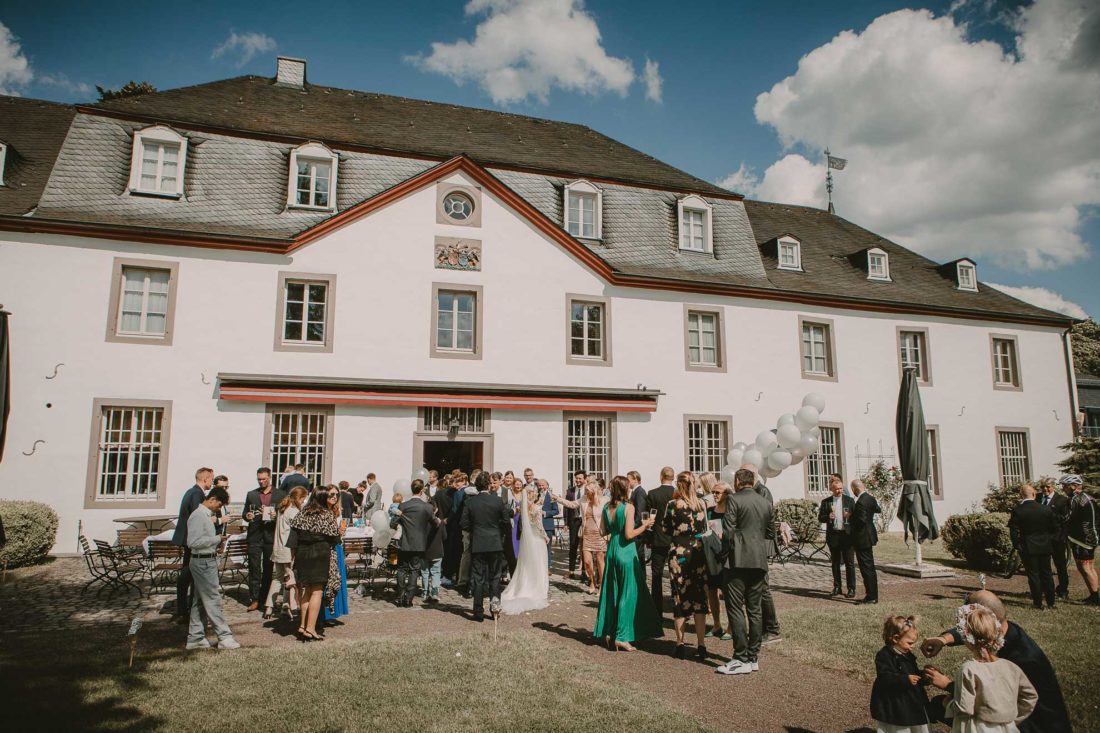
[
  {"x": 143, "y": 313},
  {"x": 134, "y": 451},
  {"x": 924, "y": 358},
  {"x": 435, "y": 349},
  {"x": 583, "y": 189},
  {"x": 829, "y": 344},
  {"x": 585, "y": 450},
  {"x": 719, "y": 364},
  {"x": 1006, "y": 364},
  {"x": 706, "y": 441},
  {"x": 157, "y": 135},
  {"x": 828, "y": 459},
  {"x": 797, "y": 248},
  {"x": 875, "y": 254},
  {"x": 285, "y": 279},
  {"x": 312, "y": 421},
  {"x": 604, "y": 303},
  {"x": 935, "y": 479},
  {"x": 3, "y": 161},
  {"x": 695, "y": 204},
  {"x": 968, "y": 267},
  {"x": 318, "y": 153},
  {"x": 1022, "y": 456}
]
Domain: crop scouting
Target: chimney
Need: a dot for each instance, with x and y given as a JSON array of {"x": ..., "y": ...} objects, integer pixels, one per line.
[{"x": 290, "y": 72}]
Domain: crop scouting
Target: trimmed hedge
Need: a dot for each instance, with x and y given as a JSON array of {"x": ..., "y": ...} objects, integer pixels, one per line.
[
  {"x": 981, "y": 539},
  {"x": 31, "y": 530},
  {"x": 801, "y": 514}
]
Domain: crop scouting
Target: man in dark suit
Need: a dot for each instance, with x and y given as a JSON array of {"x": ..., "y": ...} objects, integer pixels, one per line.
[
  {"x": 656, "y": 501},
  {"x": 1034, "y": 528},
  {"x": 638, "y": 498},
  {"x": 1059, "y": 504},
  {"x": 767, "y": 603},
  {"x": 747, "y": 530},
  {"x": 835, "y": 513},
  {"x": 864, "y": 539},
  {"x": 295, "y": 478},
  {"x": 482, "y": 517},
  {"x": 573, "y": 519},
  {"x": 204, "y": 479},
  {"x": 417, "y": 518},
  {"x": 259, "y": 511}
]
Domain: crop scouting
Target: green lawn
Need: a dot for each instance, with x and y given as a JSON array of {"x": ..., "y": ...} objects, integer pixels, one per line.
[
  {"x": 465, "y": 682},
  {"x": 892, "y": 548},
  {"x": 848, "y": 639}
]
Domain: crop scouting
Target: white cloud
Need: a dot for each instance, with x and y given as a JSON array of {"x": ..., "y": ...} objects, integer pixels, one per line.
[
  {"x": 15, "y": 70},
  {"x": 63, "y": 82},
  {"x": 526, "y": 48},
  {"x": 1043, "y": 298},
  {"x": 654, "y": 84},
  {"x": 245, "y": 46},
  {"x": 955, "y": 147},
  {"x": 743, "y": 181}
]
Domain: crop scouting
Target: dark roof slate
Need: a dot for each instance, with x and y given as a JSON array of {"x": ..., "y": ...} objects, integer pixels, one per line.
[
  {"x": 34, "y": 131},
  {"x": 828, "y": 244},
  {"x": 410, "y": 126}
]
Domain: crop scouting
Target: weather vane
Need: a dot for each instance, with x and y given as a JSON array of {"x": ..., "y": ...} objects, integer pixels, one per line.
[{"x": 831, "y": 163}]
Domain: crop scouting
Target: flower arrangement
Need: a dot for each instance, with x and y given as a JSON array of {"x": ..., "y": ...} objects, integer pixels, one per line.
[{"x": 884, "y": 483}]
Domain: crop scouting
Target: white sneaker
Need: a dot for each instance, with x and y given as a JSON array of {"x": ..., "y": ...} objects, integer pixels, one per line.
[
  {"x": 201, "y": 644},
  {"x": 228, "y": 643},
  {"x": 755, "y": 666},
  {"x": 734, "y": 667}
]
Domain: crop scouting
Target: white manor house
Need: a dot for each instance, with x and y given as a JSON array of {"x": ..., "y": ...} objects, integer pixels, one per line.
[{"x": 257, "y": 271}]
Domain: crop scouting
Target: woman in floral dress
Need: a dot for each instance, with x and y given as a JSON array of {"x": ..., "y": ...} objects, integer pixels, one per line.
[{"x": 685, "y": 521}]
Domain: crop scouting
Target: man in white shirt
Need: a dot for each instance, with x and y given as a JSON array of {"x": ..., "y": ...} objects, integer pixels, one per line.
[
  {"x": 203, "y": 541},
  {"x": 835, "y": 513}
]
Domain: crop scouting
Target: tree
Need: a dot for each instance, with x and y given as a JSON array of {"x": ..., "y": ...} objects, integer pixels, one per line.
[
  {"x": 129, "y": 89},
  {"x": 1086, "y": 347},
  {"x": 1084, "y": 460}
]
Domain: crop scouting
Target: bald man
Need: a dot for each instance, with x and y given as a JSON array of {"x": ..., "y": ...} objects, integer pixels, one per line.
[
  {"x": 1050, "y": 715},
  {"x": 1034, "y": 530}
]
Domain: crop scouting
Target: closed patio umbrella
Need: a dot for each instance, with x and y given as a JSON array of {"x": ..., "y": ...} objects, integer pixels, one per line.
[
  {"x": 5, "y": 380},
  {"x": 915, "y": 506}
]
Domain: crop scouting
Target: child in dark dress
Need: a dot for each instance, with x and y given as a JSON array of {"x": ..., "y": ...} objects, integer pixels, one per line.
[{"x": 898, "y": 701}]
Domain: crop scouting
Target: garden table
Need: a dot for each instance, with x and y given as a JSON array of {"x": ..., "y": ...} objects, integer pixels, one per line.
[{"x": 150, "y": 523}]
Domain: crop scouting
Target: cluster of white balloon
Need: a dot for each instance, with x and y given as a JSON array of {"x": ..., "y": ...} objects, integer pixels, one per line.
[
  {"x": 794, "y": 437},
  {"x": 380, "y": 520}
]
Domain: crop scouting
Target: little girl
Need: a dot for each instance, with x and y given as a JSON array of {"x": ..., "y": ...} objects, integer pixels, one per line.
[
  {"x": 991, "y": 695},
  {"x": 898, "y": 702}
]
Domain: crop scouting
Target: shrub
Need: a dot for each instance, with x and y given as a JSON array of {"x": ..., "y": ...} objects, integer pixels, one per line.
[
  {"x": 31, "y": 530},
  {"x": 884, "y": 483},
  {"x": 801, "y": 514},
  {"x": 981, "y": 539}
]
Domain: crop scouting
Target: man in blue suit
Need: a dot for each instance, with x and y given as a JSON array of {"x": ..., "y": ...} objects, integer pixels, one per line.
[
  {"x": 835, "y": 513},
  {"x": 192, "y": 498},
  {"x": 550, "y": 510}
]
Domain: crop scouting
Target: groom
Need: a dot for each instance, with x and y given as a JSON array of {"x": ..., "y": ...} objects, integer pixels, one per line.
[{"x": 483, "y": 517}]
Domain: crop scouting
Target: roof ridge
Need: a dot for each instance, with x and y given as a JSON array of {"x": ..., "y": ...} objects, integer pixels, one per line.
[
  {"x": 104, "y": 102},
  {"x": 17, "y": 98}
]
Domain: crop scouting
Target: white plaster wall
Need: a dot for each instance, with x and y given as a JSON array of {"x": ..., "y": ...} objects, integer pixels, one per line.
[{"x": 58, "y": 288}]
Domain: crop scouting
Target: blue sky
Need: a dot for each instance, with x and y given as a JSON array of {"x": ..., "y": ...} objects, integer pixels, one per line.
[{"x": 896, "y": 95}]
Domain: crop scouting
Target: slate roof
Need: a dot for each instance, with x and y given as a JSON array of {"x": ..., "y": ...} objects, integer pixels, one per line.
[
  {"x": 829, "y": 244},
  {"x": 33, "y": 130},
  {"x": 410, "y": 126}
]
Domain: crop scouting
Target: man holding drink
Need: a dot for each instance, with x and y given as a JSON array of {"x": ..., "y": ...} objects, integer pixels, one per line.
[{"x": 259, "y": 512}]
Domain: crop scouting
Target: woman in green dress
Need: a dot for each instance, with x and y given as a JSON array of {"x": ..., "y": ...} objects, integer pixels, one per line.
[{"x": 626, "y": 610}]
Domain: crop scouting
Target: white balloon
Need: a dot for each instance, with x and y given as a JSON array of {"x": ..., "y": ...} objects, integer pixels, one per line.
[
  {"x": 769, "y": 472},
  {"x": 816, "y": 432},
  {"x": 789, "y": 435},
  {"x": 785, "y": 419},
  {"x": 766, "y": 442},
  {"x": 379, "y": 521},
  {"x": 739, "y": 446},
  {"x": 402, "y": 486},
  {"x": 797, "y": 454},
  {"x": 421, "y": 474},
  {"x": 809, "y": 445},
  {"x": 727, "y": 473},
  {"x": 815, "y": 400},
  {"x": 779, "y": 459},
  {"x": 753, "y": 457},
  {"x": 806, "y": 418},
  {"x": 734, "y": 457}
]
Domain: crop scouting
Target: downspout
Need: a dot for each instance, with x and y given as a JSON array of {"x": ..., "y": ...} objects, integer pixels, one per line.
[{"x": 1071, "y": 380}]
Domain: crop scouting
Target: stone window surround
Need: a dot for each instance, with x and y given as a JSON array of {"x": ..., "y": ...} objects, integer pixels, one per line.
[
  {"x": 270, "y": 408},
  {"x": 830, "y": 342},
  {"x": 1018, "y": 386},
  {"x": 612, "y": 445},
  {"x": 719, "y": 332},
  {"x": 330, "y": 311},
  {"x": 441, "y": 192},
  {"x": 997, "y": 430},
  {"x": 726, "y": 420},
  {"x": 603, "y": 301},
  {"x": 114, "y": 302},
  {"x": 926, "y": 354},
  {"x": 840, "y": 459},
  {"x": 478, "y": 292},
  {"x": 91, "y": 499}
]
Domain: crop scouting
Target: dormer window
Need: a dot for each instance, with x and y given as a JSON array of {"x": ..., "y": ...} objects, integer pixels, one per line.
[
  {"x": 157, "y": 162},
  {"x": 583, "y": 210},
  {"x": 878, "y": 264},
  {"x": 312, "y": 177},
  {"x": 3, "y": 161},
  {"x": 790, "y": 254},
  {"x": 967, "y": 275},
  {"x": 695, "y": 224}
]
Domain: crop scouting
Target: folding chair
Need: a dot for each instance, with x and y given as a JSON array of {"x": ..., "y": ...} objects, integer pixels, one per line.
[
  {"x": 357, "y": 552},
  {"x": 95, "y": 566},
  {"x": 235, "y": 561},
  {"x": 165, "y": 563},
  {"x": 783, "y": 550},
  {"x": 121, "y": 568}
]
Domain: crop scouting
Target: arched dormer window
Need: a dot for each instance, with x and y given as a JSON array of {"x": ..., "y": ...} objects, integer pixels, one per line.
[
  {"x": 583, "y": 210},
  {"x": 312, "y": 182},
  {"x": 966, "y": 275},
  {"x": 157, "y": 162},
  {"x": 789, "y": 253},
  {"x": 696, "y": 224},
  {"x": 878, "y": 264}
]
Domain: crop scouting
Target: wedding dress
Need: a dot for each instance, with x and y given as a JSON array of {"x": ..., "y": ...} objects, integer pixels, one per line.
[{"x": 529, "y": 588}]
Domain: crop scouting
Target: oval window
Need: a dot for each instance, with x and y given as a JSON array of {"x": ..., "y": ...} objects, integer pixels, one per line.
[{"x": 458, "y": 206}]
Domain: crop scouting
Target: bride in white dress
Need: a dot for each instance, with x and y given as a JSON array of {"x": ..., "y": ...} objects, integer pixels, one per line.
[{"x": 529, "y": 588}]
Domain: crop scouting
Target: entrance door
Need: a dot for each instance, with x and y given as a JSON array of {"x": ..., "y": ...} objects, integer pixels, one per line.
[{"x": 446, "y": 455}]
